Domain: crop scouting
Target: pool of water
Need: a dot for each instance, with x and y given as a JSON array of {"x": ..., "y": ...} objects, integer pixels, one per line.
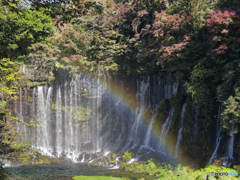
[{"x": 65, "y": 172}]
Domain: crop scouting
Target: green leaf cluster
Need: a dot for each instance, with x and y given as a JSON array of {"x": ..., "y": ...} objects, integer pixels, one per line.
[{"x": 161, "y": 171}]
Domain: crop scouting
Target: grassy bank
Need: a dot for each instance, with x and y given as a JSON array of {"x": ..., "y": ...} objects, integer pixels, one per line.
[{"x": 165, "y": 171}]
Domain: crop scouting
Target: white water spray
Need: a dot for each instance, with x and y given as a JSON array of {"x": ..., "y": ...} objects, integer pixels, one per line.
[{"x": 179, "y": 139}]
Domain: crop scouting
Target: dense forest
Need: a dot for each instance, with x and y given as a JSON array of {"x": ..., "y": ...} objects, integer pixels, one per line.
[{"x": 196, "y": 41}]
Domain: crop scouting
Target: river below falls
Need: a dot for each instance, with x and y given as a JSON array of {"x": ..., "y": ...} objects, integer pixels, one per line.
[{"x": 65, "y": 172}]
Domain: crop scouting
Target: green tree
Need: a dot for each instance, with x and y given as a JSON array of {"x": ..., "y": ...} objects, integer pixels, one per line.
[
  {"x": 66, "y": 10},
  {"x": 20, "y": 29},
  {"x": 231, "y": 113}
]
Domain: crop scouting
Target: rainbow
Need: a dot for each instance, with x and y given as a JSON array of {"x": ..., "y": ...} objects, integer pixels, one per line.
[{"x": 127, "y": 97}]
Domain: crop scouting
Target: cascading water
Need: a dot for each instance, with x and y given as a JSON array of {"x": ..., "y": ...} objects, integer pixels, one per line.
[
  {"x": 179, "y": 139},
  {"x": 59, "y": 123},
  {"x": 139, "y": 111},
  {"x": 218, "y": 137},
  {"x": 43, "y": 138},
  {"x": 82, "y": 116},
  {"x": 231, "y": 146},
  {"x": 32, "y": 114},
  {"x": 165, "y": 129},
  {"x": 148, "y": 135}
]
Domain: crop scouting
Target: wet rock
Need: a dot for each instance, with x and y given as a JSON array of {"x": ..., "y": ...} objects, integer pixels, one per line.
[
  {"x": 93, "y": 156},
  {"x": 224, "y": 161},
  {"x": 95, "y": 164},
  {"x": 87, "y": 156},
  {"x": 108, "y": 157},
  {"x": 80, "y": 157},
  {"x": 148, "y": 156},
  {"x": 87, "y": 146}
]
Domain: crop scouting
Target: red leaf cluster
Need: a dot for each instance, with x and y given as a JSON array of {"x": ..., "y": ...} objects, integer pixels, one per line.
[
  {"x": 166, "y": 24},
  {"x": 221, "y": 18},
  {"x": 223, "y": 27}
]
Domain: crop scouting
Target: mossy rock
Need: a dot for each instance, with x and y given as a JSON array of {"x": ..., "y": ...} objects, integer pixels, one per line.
[
  {"x": 95, "y": 164},
  {"x": 114, "y": 156},
  {"x": 32, "y": 157},
  {"x": 163, "y": 109},
  {"x": 46, "y": 160},
  {"x": 108, "y": 157}
]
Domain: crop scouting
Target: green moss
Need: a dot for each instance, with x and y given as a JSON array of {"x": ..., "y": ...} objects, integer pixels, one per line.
[
  {"x": 95, "y": 164},
  {"x": 164, "y": 105},
  {"x": 114, "y": 156},
  {"x": 54, "y": 107},
  {"x": 17, "y": 147},
  {"x": 81, "y": 113},
  {"x": 188, "y": 144},
  {"x": 46, "y": 160},
  {"x": 163, "y": 109},
  {"x": 176, "y": 101},
  {"x": 127, "y": 156},
  {"x": 32, "y": 157},
  {"x": 31, "y": 84}
]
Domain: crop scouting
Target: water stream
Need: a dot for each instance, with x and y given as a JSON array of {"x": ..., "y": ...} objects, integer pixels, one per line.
[
  {"x": 181, "y": 123},
  {"x": 66, "y": 172},
  {"x": 231, "y": 146},
  {"x": 218, "y": 137}
]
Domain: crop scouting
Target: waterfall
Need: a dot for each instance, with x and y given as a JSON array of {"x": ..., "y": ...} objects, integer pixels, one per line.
[
  {"x": 218, "y": 137},
  {"x": 20, "y": 105},
  {"x": 87, "y": 135},
  {"x": 195, "y": 133},
  {"x": 80, "y": 115},
  {"x": 69, "y": 130},
  {"x": 43, "y": 120},
  {"x": 25, "y": 113},
  {"x": 66, "y": 131},
  {"x": 139, "y": 112},
  {"x": 181, "y": 123},
  {"x": 165, "y": 128},
  {"x": 33, "y": 111},
  {"x": 59, "y": 123},
  {"x": 98, "y": 114},
  {"x": 231, "y": 145},
  {"x": 148, "y": 135},
  {"x": 18, "y": 113}
]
